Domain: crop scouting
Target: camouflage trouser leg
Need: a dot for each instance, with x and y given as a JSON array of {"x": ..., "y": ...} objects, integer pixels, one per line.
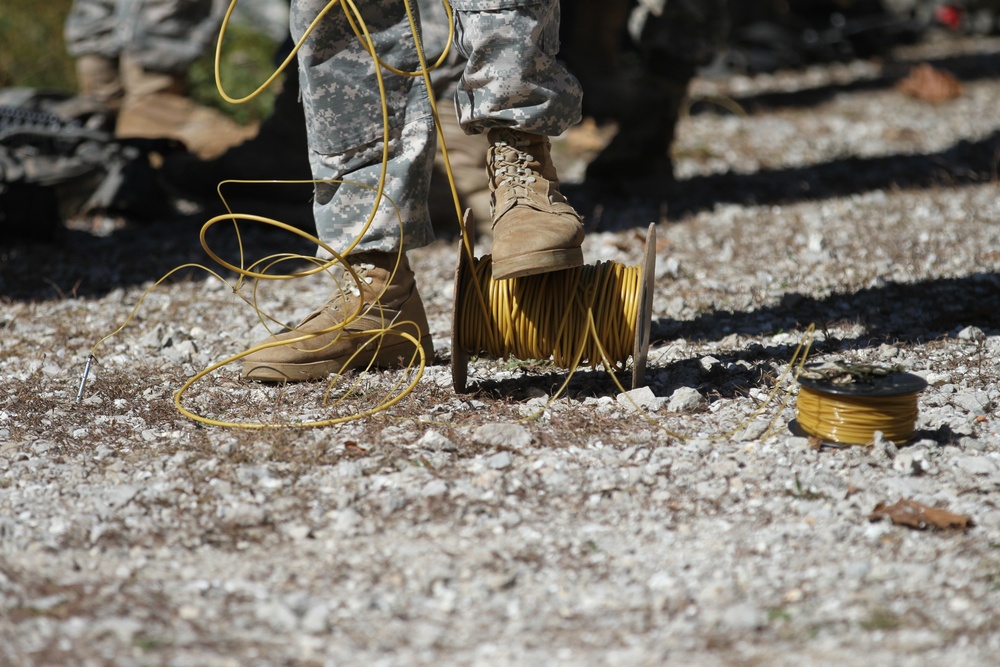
[
  {"x": 674, "y": 38},
  {"x": 92, "y": 28},
  {"x": 344, "y": 122},
  {"x": 161, "y": 35},
  {"x": 402, "y": 220},
  {"x": 512, "y": 78}
]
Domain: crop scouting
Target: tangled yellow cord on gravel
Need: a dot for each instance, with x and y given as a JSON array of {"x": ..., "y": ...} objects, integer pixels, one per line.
[{"x": 264, "y": 269}]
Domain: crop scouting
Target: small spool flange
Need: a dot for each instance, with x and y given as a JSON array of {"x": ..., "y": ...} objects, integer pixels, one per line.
[
  {"x": 644, "y": 319},
  {"x": 866, "y": 382}
]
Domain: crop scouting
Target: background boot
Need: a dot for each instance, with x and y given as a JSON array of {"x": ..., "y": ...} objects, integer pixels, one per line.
[
  {"x": 385, "y": 299},
  {"x": 279, "y": 152},
  {"x": 535, "y": 230},
  {"x": 156, "y": 105},
  {"x": 637, "y": 162},
  {"x": 97, "y": 78}
]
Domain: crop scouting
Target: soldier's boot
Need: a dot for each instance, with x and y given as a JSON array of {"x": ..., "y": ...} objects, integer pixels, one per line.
[
  {"x": 156, "y": 104},
  {"x": 466, "y": 153},
  {"x": 97, "y": 78},
  {"x": 535, "y": 230},
  {"x": 279, "y": 151},
  {"x": 347, "y": 331},
  {"x": 637, "y": 162}
]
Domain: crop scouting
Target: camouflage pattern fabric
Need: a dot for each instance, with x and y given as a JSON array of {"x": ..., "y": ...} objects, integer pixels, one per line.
[
  {"x": 511, "y": 79},
  {"x": 161, "y": 35}
]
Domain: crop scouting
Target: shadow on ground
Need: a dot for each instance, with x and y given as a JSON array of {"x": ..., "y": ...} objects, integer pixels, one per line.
[
  {"x": 77, "y": 263},
  {"x": 965, "y": 163},
  {"x": 965, "y": 67},
  {"x": 892, "y": 313}
]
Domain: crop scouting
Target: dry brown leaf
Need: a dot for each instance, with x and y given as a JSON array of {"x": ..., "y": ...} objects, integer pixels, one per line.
[
  {"x": 354, "y": 448},
  {"x": 928, "y": 84},
  {"x": 916, "y": 515}
]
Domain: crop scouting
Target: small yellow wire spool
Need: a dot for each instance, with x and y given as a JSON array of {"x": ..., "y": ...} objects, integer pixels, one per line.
[
  {"x": 598, "y": 314},
  {"x": 847, "y": 404}
]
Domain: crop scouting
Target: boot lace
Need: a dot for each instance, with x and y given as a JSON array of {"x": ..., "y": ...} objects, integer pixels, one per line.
[
  {"x": 347, "y": 284},
  {"x": 510, "y": 167}
]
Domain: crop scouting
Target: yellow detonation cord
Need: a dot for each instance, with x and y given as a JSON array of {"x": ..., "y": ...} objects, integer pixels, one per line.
[
  {"x": 550, "y": 315},
  {"x": 855, "y": 419}
]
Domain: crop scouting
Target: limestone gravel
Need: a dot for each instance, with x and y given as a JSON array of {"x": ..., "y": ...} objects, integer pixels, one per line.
[{"x": 504, "y": 527}]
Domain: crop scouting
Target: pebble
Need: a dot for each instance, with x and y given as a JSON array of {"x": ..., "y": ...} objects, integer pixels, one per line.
[
  {"x": 976, "y": 402},
  {"x": 511, "y": 436},
  {"x": 499, "y": 461},
  {"x": 743, "y": 617},
  {"x": 685, "y": 399},
  {"x": 640, "y": 398},
  {"x": 976, "y": 465},
  {"x": 971, "y": 333},
  {"x": 451, "y": 531},
  {"x": 912, "y": 461}
]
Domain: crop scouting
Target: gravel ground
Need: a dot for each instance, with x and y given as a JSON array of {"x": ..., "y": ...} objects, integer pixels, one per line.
[{"x": 472, "y": 530}]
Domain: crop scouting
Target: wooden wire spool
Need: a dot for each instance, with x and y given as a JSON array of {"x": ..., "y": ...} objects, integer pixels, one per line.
[{"x": 551, "y": 314}]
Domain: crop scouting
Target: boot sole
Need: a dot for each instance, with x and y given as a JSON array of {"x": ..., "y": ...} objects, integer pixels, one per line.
[
  {"x": 542, "y": 261},
  {"x": 396, "y": 355}
]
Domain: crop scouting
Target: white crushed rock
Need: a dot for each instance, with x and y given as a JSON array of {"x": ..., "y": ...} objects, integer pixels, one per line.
[{"x": 500, "y": 527}]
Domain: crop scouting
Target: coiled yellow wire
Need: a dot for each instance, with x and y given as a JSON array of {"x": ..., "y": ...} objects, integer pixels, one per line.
[
  {"x": 853, "y": 420},
  {"x": 582, "y": 315}
]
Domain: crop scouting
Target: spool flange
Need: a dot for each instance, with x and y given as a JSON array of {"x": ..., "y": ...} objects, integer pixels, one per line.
[
  {"x": 459, "y": 357},
  {"x": 859, "y": 380},
  {"x": 644, "y": 318}
]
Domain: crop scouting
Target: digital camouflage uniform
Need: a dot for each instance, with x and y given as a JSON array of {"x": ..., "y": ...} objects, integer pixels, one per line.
[
  {"x": 161, "y": 35},
  {"x": 511, "y": 79}
]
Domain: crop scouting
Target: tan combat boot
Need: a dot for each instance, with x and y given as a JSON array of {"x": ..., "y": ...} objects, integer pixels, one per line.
[
  {"x": 386, "y": 300},
  {"x": 97, "y": 78},
  {"x": 534, "y": 229},
  {"x": 156, "y": 105}
]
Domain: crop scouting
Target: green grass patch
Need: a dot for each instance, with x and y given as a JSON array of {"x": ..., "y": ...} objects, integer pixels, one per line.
[
  {"x": 882, "y": 619},
  {"x": 34, "y": 52},
  {"x": 247, "y": 61}
]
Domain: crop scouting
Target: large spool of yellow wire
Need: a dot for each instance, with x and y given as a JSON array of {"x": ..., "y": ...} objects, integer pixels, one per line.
[
  {"x": 594, "y": 314},
  {"x": 847, "y": 404}
]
